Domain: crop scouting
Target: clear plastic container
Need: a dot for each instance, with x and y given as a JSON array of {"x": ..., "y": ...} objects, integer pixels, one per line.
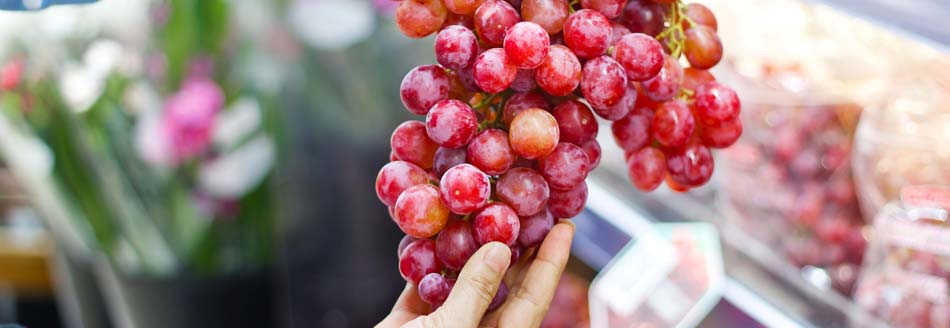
[
  {"x": 673, "y": 279},
  {"x": 788, "y": 180},
  {"x": 906, "y": 275},
  {"x": 907, "y": 140}
]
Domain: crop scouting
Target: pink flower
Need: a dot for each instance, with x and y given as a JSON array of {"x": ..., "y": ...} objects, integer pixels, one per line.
[
  {"x": 10, "y": 74},
  {"x": 189, "y": 116}
]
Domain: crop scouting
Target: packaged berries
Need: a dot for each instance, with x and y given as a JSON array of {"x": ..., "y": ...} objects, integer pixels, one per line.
[{"x": 906, "y": 276}]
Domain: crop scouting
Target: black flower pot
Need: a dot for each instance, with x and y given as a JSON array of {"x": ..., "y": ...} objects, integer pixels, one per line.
[{"x": 236, "y": 300}]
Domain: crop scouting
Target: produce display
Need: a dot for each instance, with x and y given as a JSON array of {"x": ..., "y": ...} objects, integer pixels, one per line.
[
  {"x": 511, "y": 118},
  {"x": 569, "y": 307},
  {"x": 791, "y": 186},
  {"x": 900, "y": 143},
  {"x": 907, "y": 272}
]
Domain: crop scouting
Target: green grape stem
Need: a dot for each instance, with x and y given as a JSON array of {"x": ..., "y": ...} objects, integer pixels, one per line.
[{"x": 674, "y": 32}]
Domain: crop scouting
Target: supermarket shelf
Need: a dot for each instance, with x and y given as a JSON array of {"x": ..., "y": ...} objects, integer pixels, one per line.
[
  {"x": 608, "y": 224},
  {"x": 923, "y": 19},
  {"x": 752, "y": 268}
]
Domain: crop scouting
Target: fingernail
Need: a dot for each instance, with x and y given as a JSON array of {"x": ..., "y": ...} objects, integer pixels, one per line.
[
  {"x": 498, "y": 256},
  {"x": 569, "y": 222}
]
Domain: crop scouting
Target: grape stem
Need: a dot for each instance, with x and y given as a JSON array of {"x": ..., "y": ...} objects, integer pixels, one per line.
[{"x": 674, "y": 32}]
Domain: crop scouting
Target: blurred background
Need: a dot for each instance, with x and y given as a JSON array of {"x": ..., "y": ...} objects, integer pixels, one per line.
[{"x": 120, "y": 206}]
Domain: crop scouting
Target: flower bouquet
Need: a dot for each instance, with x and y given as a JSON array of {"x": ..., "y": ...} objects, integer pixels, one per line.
[{"x": 143, "y": 146}]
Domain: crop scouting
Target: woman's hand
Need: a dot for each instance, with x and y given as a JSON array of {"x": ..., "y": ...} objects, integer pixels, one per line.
[{"x": 533, "y": 281}]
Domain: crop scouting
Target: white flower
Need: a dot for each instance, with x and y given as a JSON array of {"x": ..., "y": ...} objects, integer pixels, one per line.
[
  {"x": 150, "y": 141},
  {"x": 236, "y": 123},
  {"x": 80, "y": 86},
  {"x": 332, "y": 24},
  {"x": 103, "y": 56},
  {"x": 234, "y": 174}
]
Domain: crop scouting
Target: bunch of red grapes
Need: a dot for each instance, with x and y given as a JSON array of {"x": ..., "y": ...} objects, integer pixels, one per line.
[{"x": 510, "y": 126}]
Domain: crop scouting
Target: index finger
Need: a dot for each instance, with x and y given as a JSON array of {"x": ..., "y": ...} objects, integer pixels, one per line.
[{"x": 530, "y": 302}]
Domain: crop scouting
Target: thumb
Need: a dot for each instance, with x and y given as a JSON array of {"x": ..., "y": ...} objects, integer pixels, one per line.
[{"x": 476, "y": 285}]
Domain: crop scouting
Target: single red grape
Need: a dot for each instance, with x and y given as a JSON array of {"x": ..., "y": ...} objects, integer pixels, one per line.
[
  {"x": 644, "y": 17},
  {"x": 587, "y": 33},
  {"x": 722, "y": 136},
  {"x": 575, "y": 121},
  {"x": 451, "y": 123},
  {"x": 496, "y": 222},
  {"x": 521, "y": 101},
  {"x": 524, "y": 81},
  {"x": 673, "y": 124},
  {"x": 560, "y": 72},
  {"x": 434, "y": 288},
  {"x": 420, "y": 18},
  {"x": 693, "y": 78},
  {"x": 516, "y": 251},
  {"x": 458, "y": 89},
  {"x": 456, "y": 47},
  {"x": 664, "y": 85},
  {"x": 524, "y": 162},
  {"x": 524, "y": 189},
  {"x": 465, "y": 75},
  {"x": 568, "y": 204},
  {"x": 411, "y": 143},
  {"x": 493, "y": 72},
  {"x": 550, "y": 14},
  {"x": 535, "y": 227},
  {"x": 526, "y": 44},
  {"x": 502, "y": 292},
  {"x": 674, "y": 186},
  {"x": 640, "y": 55},
  {"x": 491, "y": 152},
  {"x": 465, "y": 189},
  {"x": 493, "y": 19},
  {"x": 603, "y": 82},
  {"x": 565, "y": 167},
  {"x": 403, "y": 243},
  {"x": 690, "y": 166},
  {"x": 622, "y": 107},
  {"x": 455, "y": 244},
  {"x": 395, "y": 177},
  {"x": 592, "y": 149},
  {"x": 633, "y": 131},
  {"x": 460, "y": 20},
  {"x": 617, "y": 31},
  {"x": 645, "y": 102},
  {"x": 533, "y": 133},
  {"x": 646, "y": 168},
  {"x": 610, "y": 8},
  {"x": 703, "y": 48},
  {"x": 446, "y": 158},
  {"x": 418, "y": 260},
  {"x": 420, "y": 212},
  {"x": 462, "y": 7},
  {"x": 716, "y": 103},
  {"x": 701, "y": 15},
  {"x": 424, "y": 86}
]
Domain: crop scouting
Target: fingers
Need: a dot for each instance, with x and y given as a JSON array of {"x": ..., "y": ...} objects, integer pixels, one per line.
[
  {"x": 476, "y": 286},
  {"x": 527, "y": 306},
  {"x": 409, "y": 301},
  {"x": 409, "y": 306}
]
